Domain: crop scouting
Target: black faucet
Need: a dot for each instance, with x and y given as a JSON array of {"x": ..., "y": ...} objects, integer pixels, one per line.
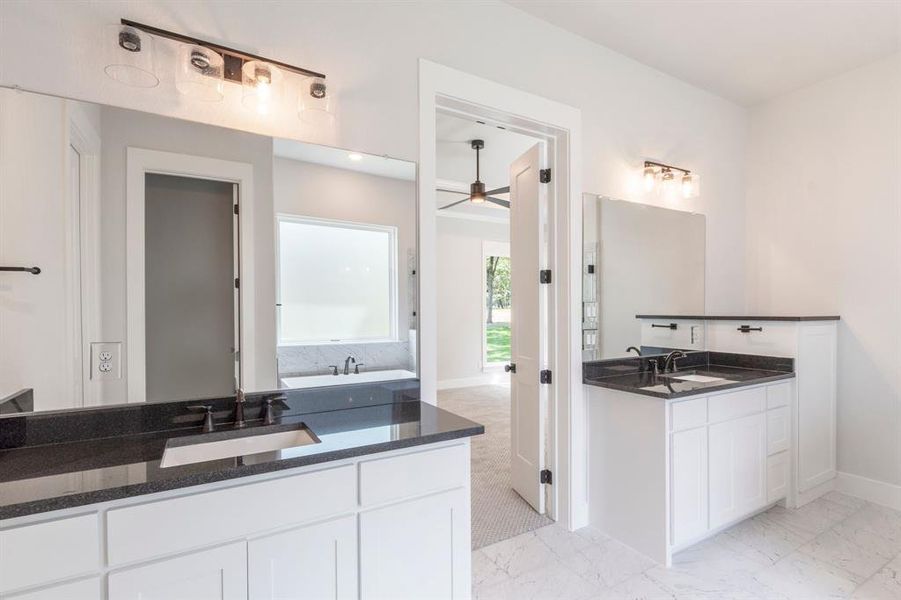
[
  {"x": 669, "y": 363},
  {"x": 630, "y": 348},
  {"x": 347, "y": 361}
]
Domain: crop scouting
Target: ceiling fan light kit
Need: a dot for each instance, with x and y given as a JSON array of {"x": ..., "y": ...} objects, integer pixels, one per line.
[{"x": 477, "y": 192}]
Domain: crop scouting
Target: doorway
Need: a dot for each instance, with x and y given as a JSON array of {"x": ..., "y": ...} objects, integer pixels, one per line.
[
  {"x": 191, "y": 303},
  {"x": 488, "y": 365}
]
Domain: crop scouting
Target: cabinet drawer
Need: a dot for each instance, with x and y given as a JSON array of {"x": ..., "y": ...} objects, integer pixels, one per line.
[
  {"x": 778, "y": 395},
  {"x": 776, "y": 477},
  {"x": 85, "y": 589},
  {"x": 736, "y": 404},
  {"x": 778, "y": 430},
  {"x": 47, "y": 552},
  {"x": 773, "y": 339},
  {"x": 688, "y": 414},
  {"x": 414, "y": 474},
  {"x": 167, "y": 526}
]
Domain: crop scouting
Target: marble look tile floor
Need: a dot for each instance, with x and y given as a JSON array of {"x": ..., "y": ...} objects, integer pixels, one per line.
[{"x": 835, "y": 547}]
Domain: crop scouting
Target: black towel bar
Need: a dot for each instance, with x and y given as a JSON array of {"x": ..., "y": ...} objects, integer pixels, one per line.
[{"x": 32, "y": 270}]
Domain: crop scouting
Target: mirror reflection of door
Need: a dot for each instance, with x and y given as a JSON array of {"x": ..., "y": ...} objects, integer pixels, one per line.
[{"x": 190, "y": 232}]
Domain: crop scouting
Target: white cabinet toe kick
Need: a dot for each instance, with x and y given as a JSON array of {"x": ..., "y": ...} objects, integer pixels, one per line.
[
  {"x": 666, "y": 474},
  {"x": 388, "y": 525}
]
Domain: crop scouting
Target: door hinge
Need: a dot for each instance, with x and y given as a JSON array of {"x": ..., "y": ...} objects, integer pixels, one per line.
[
  {"x": 545, "y": 176},
  {"x": 544, "y": 376},
  {"x": 236, "y": 209},
  {"x": 237, "y": 283},
  {"x": 545, "y": 476},
  {"x": 544, "y": 276}
]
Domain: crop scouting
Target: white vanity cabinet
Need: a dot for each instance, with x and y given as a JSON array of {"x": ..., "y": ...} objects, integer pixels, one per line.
[
  {"x": 316, "y": 561},
  {"x": 389, "y": 525},
  {"x": 666, "y": 474},
  {"x": 811, "y": 403}
]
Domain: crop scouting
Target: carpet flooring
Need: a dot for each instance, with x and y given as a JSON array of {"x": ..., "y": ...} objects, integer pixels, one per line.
[{"x": 498, "y": 513}]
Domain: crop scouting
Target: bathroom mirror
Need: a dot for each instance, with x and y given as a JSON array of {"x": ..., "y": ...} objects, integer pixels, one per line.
[
  {"x": 637, "y": 259},
  {"x": 149, "y": 259}
]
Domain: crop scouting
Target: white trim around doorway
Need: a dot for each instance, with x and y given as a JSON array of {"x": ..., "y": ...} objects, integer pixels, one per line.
[
  {"x": 139, "y": 163},
  {"x": 446, "y": 89}
]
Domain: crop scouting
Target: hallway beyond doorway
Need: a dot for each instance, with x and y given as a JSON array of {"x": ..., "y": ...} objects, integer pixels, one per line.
[{"x": 498, "y": 513}]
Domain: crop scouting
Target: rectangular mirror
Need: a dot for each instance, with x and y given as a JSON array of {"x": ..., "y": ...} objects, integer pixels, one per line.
[
  {"x": 637, "y": 259},
  {"x": 150, "y": 259}
]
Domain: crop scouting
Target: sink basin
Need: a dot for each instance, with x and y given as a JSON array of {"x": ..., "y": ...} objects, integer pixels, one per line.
[
  {"x": 189, "y": 450},
  {"x": 698, "y": 378}
]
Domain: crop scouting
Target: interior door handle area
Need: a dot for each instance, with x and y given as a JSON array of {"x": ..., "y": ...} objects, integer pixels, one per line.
[{"x": 511, "y": 368}]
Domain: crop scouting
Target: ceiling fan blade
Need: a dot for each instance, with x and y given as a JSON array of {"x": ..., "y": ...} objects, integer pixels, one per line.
[
  {"x": 466, "y": 199},
  {"x": 499, "y": 202},
  {"x": 500, "y": 190},
  {"x": 451, "y": 191}
]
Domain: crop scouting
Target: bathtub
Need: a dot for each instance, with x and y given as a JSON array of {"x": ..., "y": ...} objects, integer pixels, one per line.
[{"x": 342, "y": 379}]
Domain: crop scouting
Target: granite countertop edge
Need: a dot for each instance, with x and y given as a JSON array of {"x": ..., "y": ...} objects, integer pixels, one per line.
[
  {"x": 600, "y": 382},
  {"x": 70, "y": 501},
  {"x": 743, "y": 317}
]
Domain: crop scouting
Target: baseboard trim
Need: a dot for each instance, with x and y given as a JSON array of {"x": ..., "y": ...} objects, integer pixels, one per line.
[
  {"x": 485, "y": 379},
  {"x": 872, "y": 490}
]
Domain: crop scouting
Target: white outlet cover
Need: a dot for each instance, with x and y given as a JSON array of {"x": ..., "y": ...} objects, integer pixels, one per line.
[{"x": 106, "y": 360}]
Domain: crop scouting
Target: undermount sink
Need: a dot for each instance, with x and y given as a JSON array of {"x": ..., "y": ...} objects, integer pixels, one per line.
[
  {"x": 186, "y": 451},
  {"x": 697, "y": 378}
]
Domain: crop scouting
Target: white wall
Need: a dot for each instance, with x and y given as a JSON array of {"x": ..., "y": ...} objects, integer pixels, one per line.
[
  {"x": 371, "y": 50},
  {"x": 824, "y": 236},
  {"x": 460, "y": 294},
  {"x": 122, "y": 129}
]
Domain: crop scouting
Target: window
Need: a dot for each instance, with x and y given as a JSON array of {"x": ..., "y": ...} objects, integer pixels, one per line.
[{"x": 337, "y": 281}]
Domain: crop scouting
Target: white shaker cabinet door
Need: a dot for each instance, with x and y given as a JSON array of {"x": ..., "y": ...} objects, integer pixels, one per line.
[
  {"x": 316, "y": 562},
  {"x": 417, "y": 550},
  {"x": 689, "y": 484},
  {"x": 86, "y": 589},
  {"x": 737, "y": 468},
  {"x": 216, "y": 574}
]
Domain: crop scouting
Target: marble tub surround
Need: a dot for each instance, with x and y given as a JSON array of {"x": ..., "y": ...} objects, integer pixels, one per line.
[
  {"x": 636, "y": 375},
  {"x": 82, "y": 470},
  {"x": 835, "y": 547},
  {"x": 297, "y": 361}
]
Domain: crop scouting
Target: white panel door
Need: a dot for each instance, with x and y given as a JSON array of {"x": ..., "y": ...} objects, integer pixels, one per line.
[
  {"x": 317, "y": 562},
  {"x": 217, "y": 574},
  {"x": 528, "y": 397},
  {"x": 417, "y": 550},
  {"x": 737, "y": 451},
  {"x": 689, "y": 484}
]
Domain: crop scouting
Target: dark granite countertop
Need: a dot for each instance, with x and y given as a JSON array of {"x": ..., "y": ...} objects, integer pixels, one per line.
[
  {"x": 733, "y": 371},
  {"x": 33, "y": 478},
  {"x": 743, "y": 317}
]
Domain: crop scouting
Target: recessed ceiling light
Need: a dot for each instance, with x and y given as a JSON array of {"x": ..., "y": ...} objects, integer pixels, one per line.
[{"x": 355, "y": 156}]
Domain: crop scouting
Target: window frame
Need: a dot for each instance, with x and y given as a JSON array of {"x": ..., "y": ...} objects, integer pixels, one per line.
[{"x": 391, "y": 230}]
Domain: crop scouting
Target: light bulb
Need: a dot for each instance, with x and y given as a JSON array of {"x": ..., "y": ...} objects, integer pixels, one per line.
[
  {"x": 262, "y": 84},
  {"x": 687, "y": 185},
  {"x": 650, "y": 177}
]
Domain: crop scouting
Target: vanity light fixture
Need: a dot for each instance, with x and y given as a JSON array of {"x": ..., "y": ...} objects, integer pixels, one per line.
[
  {"x": 653, "y": 170},
  {"x": 316, "y": 103},
  {"x": 205, "y": 67},
  {"x": 129, "y": 56}
]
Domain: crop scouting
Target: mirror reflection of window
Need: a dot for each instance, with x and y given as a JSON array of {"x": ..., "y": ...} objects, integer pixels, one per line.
[{"x": 337, "y": 281}]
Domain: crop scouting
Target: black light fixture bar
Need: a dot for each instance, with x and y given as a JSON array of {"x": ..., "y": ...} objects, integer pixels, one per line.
[
  {"x": 650, "y": 163},
  {"x": 234, "y": 59}
]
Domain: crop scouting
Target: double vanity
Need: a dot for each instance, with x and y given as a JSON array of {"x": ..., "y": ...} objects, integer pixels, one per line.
[
  {"x": 352, "y": 492},
  {"x": 686, "y": 441}
]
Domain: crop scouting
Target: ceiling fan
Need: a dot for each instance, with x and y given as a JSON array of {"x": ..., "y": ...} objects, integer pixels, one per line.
[{"x": 477, "y": 193}]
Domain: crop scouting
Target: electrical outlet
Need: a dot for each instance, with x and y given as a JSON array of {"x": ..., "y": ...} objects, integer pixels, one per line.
[{"x": 106, "y": 360}]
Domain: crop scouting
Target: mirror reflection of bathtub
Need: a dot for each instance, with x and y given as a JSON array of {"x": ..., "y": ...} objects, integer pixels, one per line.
[{"x": 311, "y": 381}]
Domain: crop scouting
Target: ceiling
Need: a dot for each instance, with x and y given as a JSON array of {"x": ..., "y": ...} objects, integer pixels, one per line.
[
  {"x": 744, "y": 51},
  {"x": 383, "y": 166}
]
